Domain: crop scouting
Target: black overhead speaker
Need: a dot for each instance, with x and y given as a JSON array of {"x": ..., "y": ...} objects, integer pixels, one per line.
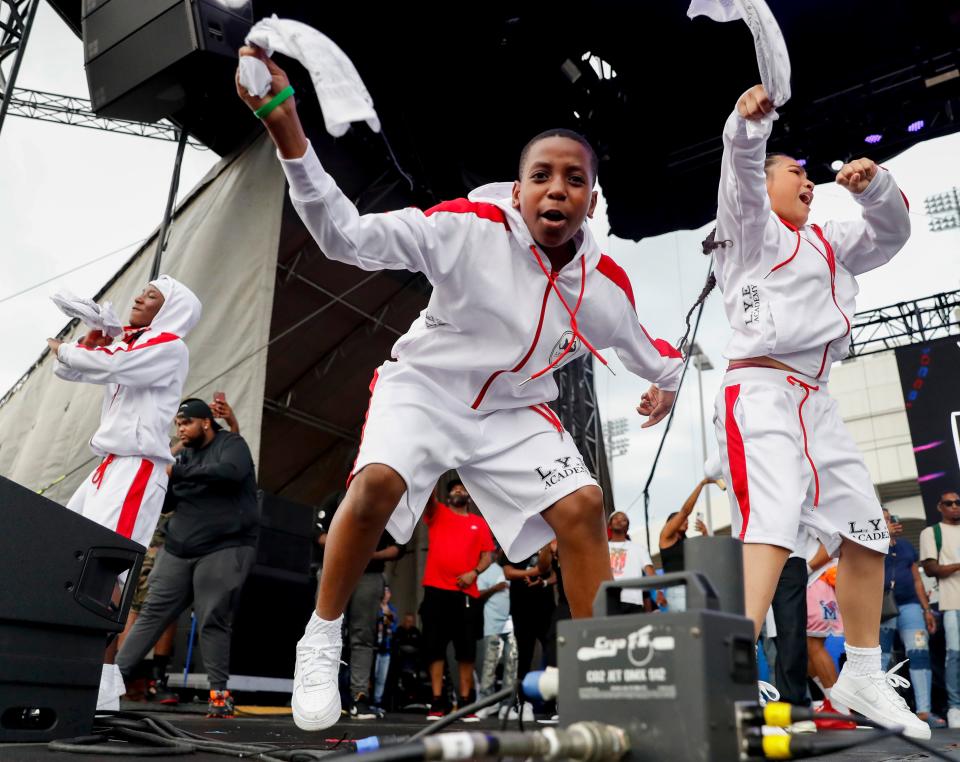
[
  {"x": 150, "y": 59},
  {"x": 58, "y": 573}
]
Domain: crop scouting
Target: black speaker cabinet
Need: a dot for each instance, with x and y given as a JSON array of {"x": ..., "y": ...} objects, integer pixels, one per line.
[
  {"x": 150, "y": 59},
  {"x": 58, "y": 573}
]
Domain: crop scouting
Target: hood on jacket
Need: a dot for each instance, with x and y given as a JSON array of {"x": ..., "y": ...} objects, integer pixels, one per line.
[
  {"x": 181, "y": 309},
  {"x": 501, "y": 196}
]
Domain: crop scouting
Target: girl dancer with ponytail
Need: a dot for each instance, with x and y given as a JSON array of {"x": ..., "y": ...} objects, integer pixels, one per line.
[{"x": 789, "y": 290}]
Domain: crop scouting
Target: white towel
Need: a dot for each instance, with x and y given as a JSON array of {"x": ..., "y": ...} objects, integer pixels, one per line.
[
  {"x": 342, "y": 95},
  {"x": 100, "y": 317},
  {"x": 772, "y": 57}
]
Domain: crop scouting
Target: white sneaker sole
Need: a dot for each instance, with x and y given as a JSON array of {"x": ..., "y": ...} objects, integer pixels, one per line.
[
  {"x": 853, "y": 701},
  {"x": 317, "y": 723}
]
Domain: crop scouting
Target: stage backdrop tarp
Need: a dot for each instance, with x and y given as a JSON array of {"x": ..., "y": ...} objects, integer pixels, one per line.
[
  {"x": 223, "y": 245},
  {"x": 930, "y": 375}
]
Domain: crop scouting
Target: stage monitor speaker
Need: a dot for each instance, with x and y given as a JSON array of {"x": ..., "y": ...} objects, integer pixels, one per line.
[
  {"x": 59, "y": 571},
  {"x": 287, "y": 538},
  {"x": 152, "y": 59}
]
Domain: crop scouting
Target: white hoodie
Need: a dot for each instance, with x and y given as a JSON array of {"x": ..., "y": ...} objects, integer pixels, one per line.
[
  {"x": 143, "y": 372},
  {"x": 497, "y": 317},
  {"x": 790, "y": 294}
]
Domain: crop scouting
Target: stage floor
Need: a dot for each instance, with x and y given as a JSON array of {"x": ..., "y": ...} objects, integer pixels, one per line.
[{"x": 281, "y": 732}]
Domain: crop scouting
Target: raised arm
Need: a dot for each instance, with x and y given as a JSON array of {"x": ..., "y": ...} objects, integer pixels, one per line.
[
  {"x": 743, "y": 206},
  {"x": 668, "y": 535},
  {"x": 408, "y": 239},
  {"x": 867, "y": 243}
]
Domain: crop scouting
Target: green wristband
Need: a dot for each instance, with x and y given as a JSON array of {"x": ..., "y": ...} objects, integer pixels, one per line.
[{"x": 276, "y": 100}]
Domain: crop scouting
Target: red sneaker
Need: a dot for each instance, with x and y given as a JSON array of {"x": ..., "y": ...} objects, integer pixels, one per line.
[{"x": 825, "y": 724}]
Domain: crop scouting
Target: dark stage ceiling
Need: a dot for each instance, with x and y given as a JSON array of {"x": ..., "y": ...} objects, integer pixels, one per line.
[{"x": 460, "y": 89}]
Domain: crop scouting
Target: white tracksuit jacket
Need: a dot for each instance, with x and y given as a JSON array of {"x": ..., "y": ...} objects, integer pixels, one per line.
[
  {"x": 790, "y": 294},
  {"x": 143, "y": 373},
  {"x": 496, "y": 317}
]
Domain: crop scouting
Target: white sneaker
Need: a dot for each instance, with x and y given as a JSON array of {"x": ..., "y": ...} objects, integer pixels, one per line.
[
  {"x": 953, "y": 717},
  {"x": 874, "y": 697},
  {"x": 316, "y": 692},
  {"x": 802, "y": 726},
  {"x": 768, "y": 692}
]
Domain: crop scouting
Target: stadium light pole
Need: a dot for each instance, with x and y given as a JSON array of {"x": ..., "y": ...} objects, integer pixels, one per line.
[
  {"x": 701, "y": 362},
  {"x": 943, "y": 210},
  {"x": 615, "y": 440}
]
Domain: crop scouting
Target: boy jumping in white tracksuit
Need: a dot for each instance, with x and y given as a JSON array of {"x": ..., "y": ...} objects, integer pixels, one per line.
[
  {"x": 520, "y": 288},
  {"x": 789, "y": 292}
]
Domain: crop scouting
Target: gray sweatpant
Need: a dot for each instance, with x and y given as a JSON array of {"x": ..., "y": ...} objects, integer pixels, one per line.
[{"x": 212, "y": 583}]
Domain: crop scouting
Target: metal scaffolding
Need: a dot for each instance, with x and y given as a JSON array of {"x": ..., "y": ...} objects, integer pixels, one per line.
[
  {"x": 66, "y": 109},
  {"x": 16, "y": 21},
  {"x": 926, "y": 319},
  {"x": 580, "y": 416}
]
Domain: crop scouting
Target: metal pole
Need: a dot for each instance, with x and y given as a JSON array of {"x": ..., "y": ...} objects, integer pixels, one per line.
[
  {"x": 21, "y": 49},
  {"x": 171, "y": 199},
  {"x": 703, "y": 440}
]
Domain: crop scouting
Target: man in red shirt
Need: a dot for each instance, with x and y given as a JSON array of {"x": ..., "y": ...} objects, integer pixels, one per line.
[{"x": 461, "y": 547}]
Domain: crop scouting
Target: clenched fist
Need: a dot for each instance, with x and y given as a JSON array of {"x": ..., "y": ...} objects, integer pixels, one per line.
[
  {"x": 755, "y": 103},
  {"x": 856, "y": 175}
]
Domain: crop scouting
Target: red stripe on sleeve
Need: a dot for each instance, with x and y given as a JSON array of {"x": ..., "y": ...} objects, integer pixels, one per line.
[
  {"x": 466, "y": 206},
  {"x": 664, "y": 347},
  {"x": 161, "y": 338},
  {"x": 606, "y": 266}
]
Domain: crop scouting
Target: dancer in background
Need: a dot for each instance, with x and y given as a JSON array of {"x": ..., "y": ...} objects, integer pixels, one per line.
[{"x": 142, "y": 373}]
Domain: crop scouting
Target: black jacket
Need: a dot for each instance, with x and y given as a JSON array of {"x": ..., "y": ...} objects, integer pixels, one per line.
[{"x": 213, "y": 493}]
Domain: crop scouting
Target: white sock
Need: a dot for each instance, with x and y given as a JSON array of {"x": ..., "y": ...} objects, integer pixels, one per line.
[
  {"x": 316, "y": 624},
  {"x": 862, "y": 661}
]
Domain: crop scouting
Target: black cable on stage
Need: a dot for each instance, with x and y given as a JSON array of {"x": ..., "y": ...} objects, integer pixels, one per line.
[
  {"x": 449, "y": 719},
  {"x": 692, "y": 336},
  {"x": 781, "y": 714}
]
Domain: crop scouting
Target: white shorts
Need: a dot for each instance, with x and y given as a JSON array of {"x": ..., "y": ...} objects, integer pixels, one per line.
[
  {"x": 125, "y": 494},
  {"x": 789, "y": 460},
  {"x": 514, "y": 463}
]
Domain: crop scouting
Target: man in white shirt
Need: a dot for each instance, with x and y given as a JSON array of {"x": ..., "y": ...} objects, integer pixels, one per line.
[
  {"x": 940, "y": 558},
  {"x": 628, "y": 560}
]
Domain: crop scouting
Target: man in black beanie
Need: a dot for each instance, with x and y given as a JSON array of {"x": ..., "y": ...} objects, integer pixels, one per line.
[{"x": 210, "y": 547}]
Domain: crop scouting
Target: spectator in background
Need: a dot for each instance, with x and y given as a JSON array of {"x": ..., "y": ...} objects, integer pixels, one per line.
[
  {"x": 532, "y": 605},
  {"x": 209, "y": 550},
  {"x": 461, "y": 548},
  {"x": 940, "y": 558},
  {"x": 499, "y": 644},
  {"x": 672, "y": 536},
  {"x": 386, "y": 627},
  {"x": 628, "y": 560},
  {"x": 914, "y": 620},
  {"x": 156, "y": 689},
  {"x": 406, "y": 663}
]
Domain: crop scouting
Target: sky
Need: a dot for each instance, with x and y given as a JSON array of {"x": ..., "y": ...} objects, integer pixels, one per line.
[{"x": 69, "y": 195}]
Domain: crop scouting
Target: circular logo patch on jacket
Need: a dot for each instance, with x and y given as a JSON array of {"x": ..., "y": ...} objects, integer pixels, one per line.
[{"x": 563, "y": 342}]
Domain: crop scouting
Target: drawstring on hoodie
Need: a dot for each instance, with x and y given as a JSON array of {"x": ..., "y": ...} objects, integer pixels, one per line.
[
  {"x": 807, "y": 388},
  {"x": 552, "y": 278}
]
